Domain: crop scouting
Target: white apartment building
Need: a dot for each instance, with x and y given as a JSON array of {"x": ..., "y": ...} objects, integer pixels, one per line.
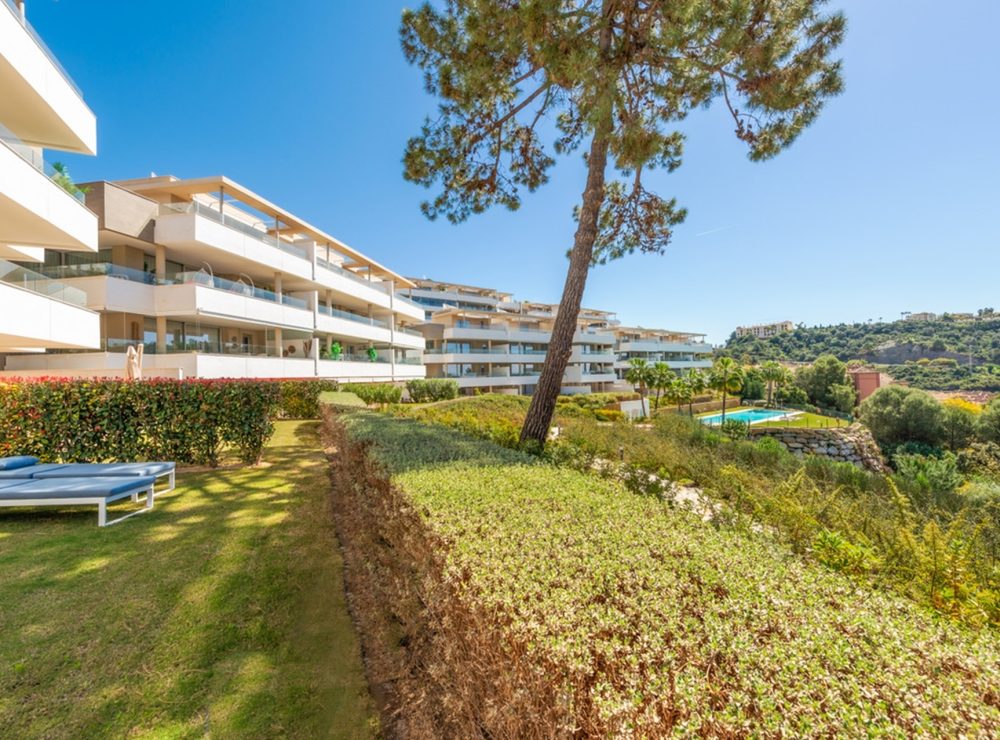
[
  {"x": 40, "y": 109},
  {"x": 489, "y": 342},
  {"x": 215, "y": 281},
  {"x": 681, "y": 351},
  {"x": 765, "y": 331}
]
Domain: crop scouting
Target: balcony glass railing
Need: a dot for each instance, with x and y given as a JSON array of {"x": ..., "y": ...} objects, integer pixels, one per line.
[
  {"x": 238, "y": 287},
  {"x": 96, "y": 269},
  {"x": 358, "y": 318},
  {"x": 376, "y": 284},
  {"x": 233, "y": 223},
  {"x": 22, "y": 277},
  {"x": 411, "y": 332},
  {"x": 12, "y": 7},
  {"x": 33, "y": 156}
]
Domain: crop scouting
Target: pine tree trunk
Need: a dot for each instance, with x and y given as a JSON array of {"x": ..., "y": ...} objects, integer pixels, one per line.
[{"x": 543, "y": 402}]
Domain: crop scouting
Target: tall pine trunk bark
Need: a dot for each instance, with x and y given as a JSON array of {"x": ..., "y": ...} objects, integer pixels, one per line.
[{"x": 543, "y": 402}]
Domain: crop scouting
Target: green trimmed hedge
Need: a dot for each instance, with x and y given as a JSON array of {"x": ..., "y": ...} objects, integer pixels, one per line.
[
  {"x": 371, "y": 393},
  {"x": 300, "y": 399},
  {"x": 432, "y": 389},
  {"x": 188, "y": 421}
]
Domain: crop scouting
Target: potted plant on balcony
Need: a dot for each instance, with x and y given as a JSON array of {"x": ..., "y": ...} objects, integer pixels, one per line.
[
  {"x": 334, "y": 351},
  {"x": 372, "y": 354},
  {"x": 62, "y": 178}
]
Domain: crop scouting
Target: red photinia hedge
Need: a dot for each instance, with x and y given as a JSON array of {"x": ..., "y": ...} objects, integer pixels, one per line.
[{"x": 63, "y": 420}]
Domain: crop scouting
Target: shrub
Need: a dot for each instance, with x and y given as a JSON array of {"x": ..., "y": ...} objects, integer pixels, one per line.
[
  {"x": 609, "y": 415},
  {"x": 432, "y": 389},
  {"x": 989, "y": 423},
  {"x": 735, "y": 429},
  {"x": 980, "y": 458},
  {"x": 959, "y": 422},
  {"x": 299, "y": 399},
  {"x": 101, "y": 420},
  {"x": 895, "y": 414},
  {"x": 928, "y": 474},
  {"x": 372, "y": 393}
]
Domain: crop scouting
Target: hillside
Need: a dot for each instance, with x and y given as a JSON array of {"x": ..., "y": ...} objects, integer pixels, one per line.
[{"x": 943, "y": 354}]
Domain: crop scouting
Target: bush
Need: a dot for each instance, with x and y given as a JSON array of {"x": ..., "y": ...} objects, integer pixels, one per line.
[
  {"x": 927, "y": 474},
  {"x": 299, "y": 399},
  {"x": 609, "y": 415},
  {"x": 895, "y": 414},
  {"x": 103, "y": 420},
  {"x": 372, "y": 393},
  {"x": 959, "y": 422},
  {"x": 980, "y": 458},
  {"x": 989, "y": 423},
  {"x": 735, "y": 429},
  {"x": 432, "y": 389}
]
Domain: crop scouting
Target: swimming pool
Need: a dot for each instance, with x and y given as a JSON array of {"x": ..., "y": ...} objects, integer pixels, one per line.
[{"x": 750, "y": 416}]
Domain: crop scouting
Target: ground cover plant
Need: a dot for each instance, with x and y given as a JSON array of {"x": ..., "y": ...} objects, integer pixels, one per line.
[
  {"x": 375, "y": 393},
  {"x": 934, "y": 544},
  {"x": 536, "y": 600},
  {"x": 221, "y": 612}
]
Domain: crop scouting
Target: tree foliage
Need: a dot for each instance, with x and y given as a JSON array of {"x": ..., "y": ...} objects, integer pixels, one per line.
[{"x": 896, "y": 414}]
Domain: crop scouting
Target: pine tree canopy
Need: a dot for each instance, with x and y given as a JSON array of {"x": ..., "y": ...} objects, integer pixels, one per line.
[{"x": 500, "y": 68}]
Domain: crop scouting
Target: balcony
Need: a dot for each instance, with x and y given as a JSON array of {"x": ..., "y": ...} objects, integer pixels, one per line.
[
  {"x": 41, "y": 104},
  {"x": 34, "y": 209},
  {"x": 36, "y": 312},
  {"x": 199, "y": 233},
  {"x": 345, "y": 281},
  {"x": 646, "y": 346},
  {"x": 199, "y": 294}
]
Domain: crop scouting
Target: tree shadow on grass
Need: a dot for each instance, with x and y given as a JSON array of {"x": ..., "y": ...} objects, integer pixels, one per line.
[{"x": 175, "y": 619}]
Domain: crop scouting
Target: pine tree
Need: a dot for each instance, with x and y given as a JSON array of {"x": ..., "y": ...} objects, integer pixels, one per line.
[{"x": 615, "y": 77}]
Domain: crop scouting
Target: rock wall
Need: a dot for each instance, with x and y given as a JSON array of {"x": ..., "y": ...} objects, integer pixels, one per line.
[{"x": 853, "y": 444}]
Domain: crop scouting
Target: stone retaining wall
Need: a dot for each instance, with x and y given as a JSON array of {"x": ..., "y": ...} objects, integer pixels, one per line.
[{"x": 853, "y": 444}]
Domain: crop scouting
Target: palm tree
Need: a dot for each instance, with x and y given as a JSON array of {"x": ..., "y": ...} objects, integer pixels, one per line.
[
  {"x": 680, "y": 392},
  {"x": 697, "y": 383},
  {"x": 660, "y": 378},
  {"x": 727, "y": 377},
  {"x": 638, "y": 374},
  {"x": 772, "y": 373}
]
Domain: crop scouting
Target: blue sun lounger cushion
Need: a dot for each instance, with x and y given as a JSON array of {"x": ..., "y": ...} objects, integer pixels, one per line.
[
  {"x": 19, "y": 461},
  {"x": 29, "y": 471},
  {"x": 99, "y": 491}
]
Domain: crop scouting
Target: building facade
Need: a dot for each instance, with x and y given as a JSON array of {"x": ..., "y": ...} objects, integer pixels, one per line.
[
  {"x": 764, "y": 331},
  {"x": 215, "y": 281},
  {"x": 489, "y": 342},
  {"x": 41, "y": 110},
  {"x": 681, "y": 351}
]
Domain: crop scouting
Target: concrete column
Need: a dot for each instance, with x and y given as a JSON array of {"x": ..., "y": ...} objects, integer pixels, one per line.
[
  {"x": 161, "y": 262},
  {"x": 278, "y": 342},
  {"x": 277, "y": 284},
  {"x": 161, "y": 334},
  {"x": 314, "y": 351},
  {"x": 392, "y": 329}
]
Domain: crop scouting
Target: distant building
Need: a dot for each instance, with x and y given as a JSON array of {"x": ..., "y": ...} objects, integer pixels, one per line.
[
  {"x": 922, "y": 316},
  {"x": 866, "y": 382},
  {"x": 763, "y": 331}
]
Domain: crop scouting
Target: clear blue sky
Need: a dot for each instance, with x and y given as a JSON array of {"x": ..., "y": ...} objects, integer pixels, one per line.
[{"x": 888, "y": 203}]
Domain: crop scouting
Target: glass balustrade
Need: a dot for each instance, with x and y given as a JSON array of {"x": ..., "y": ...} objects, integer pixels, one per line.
[
  {"x": 358, "y": 318},
  {"x": 22, "y": 277},
  {"x": 33, "y": 156},
  {"x": 12, "y": 7},
  {"x": 376, "y": 284},
  {"x": 239, "y": 287},
  {"x": 97, "y": 269},
  {"x": 234, "y": 223}
]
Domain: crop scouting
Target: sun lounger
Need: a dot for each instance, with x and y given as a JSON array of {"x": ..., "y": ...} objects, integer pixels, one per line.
[
  {"x": 20, "y": 461},
  {"x": 38, "y": 471},
  {"x": 99, "y": 490}
]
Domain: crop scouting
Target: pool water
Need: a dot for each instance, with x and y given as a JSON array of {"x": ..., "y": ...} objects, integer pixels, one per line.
[{"x": 750, "y": 416}]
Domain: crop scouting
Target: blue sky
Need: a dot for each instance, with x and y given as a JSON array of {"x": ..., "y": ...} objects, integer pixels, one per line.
[{"x": 887, "y": 204}]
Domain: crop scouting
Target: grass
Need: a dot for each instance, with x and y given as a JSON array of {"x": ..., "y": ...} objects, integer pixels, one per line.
[
  {"x": 221, "y": 612},
  {"x": 341, "y": 398},
  {"x": 628, "y": 616}
]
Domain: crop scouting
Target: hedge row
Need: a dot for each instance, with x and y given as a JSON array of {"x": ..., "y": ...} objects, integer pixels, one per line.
[
  {"x": 372, "y": 393},
  {"x": 186, "y": 421},
  {"x": 432, "y": 389},
  {"x": 299, "y": 399}
]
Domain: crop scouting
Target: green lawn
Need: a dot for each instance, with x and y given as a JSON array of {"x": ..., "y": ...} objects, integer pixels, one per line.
[
  {"x": 219, "y": 613},
  {"x": 341, "y": 398}
]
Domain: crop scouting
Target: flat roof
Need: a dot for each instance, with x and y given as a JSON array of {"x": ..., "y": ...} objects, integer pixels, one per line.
[
  {"x": 625, "y": 329},
  {"x": 171, "y": 185}
]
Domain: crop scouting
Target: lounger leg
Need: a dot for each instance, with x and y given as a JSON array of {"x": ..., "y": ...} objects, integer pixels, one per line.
[
  {"x": 149, "y": 498},
  {"x": 135, "y": 498},
  {"x": 173, "y": 480},
  {"x": 102, "y": 514}
]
